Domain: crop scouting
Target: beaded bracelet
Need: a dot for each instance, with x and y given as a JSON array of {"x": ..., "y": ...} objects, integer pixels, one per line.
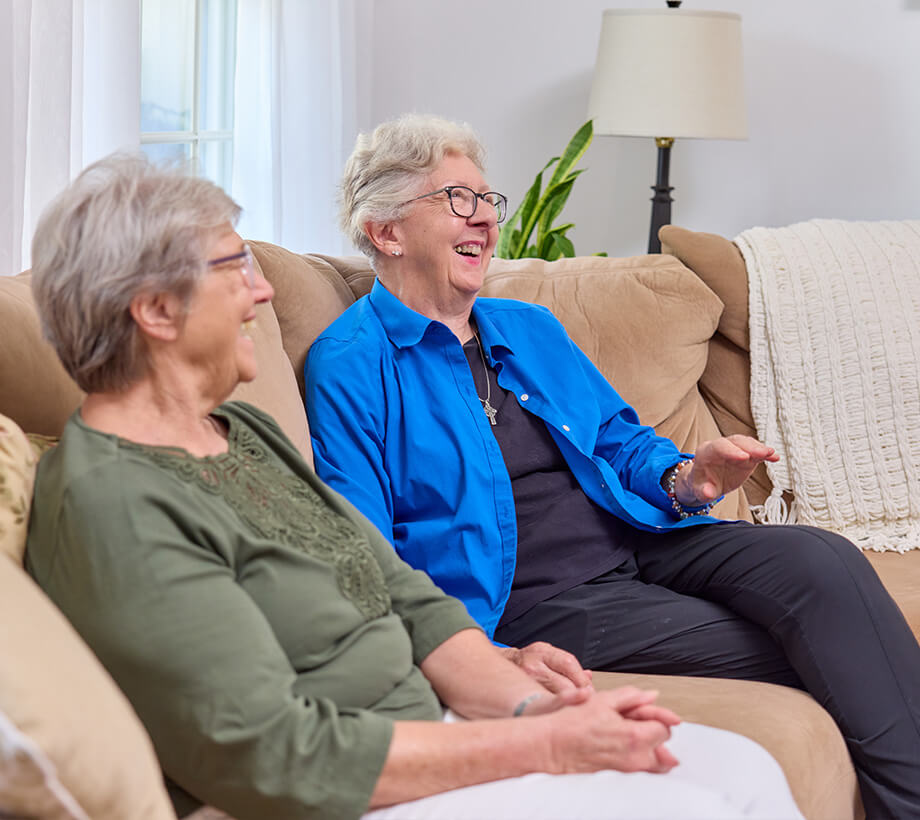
[{"x": 670, "y": 479}]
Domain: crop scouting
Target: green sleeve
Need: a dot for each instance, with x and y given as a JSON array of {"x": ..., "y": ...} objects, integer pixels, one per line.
[{"x": 198, "y": 659}]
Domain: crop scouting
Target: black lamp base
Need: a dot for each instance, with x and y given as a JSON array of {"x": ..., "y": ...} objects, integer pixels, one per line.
[{"x": 661, "y": 201}]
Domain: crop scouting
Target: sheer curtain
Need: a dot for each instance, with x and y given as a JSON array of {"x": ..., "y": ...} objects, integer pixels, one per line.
[
  {"x": 70, "y": 93},
  {"x": 296, "y": 111}
]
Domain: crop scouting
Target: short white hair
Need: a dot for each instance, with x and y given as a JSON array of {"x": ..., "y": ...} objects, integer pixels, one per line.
[
  {"x": 124, "y": 226},
  {"x": 387, "y": 167}
]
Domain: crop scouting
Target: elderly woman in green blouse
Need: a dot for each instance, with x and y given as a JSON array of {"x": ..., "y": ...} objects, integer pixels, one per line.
[{"x": 284, "y": 660}]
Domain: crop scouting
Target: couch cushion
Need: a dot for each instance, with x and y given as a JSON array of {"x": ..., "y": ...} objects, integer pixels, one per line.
[
  {"x": 646, "y": 322},
  {"x": 805, "y": 741},
  {"x": 52, "y": 688},
  {"x": 719, "y": 263},
  {"x": 36, "y": 391},
  {"x": 275, "y": 388},
  {"x": 29, "y": 785},
  {"x": 55, "y": 691},
  {"x": 726, "y": 381},
  {"x": 17, "y": 476},
  {"x": 309, "y": 295},
  {"x": 900, "y": 573}
]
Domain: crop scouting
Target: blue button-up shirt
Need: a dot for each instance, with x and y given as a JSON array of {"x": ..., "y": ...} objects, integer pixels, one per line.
[{"x": 398, "y": 428}]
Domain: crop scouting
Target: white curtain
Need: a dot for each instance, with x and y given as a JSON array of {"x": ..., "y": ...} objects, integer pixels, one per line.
[
  {"x": 63, "y": 64},
  {"x": 296, "y": 108}
]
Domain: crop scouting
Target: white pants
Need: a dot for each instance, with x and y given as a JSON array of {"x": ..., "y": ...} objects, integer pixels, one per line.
[{"x": 721, "y": 775}]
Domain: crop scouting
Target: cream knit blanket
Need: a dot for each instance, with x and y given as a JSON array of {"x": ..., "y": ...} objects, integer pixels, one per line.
[{"x": 835, "y": 375}]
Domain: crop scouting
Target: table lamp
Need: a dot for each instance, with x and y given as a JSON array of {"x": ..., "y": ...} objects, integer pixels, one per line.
[{"x": 668, "y": 73}]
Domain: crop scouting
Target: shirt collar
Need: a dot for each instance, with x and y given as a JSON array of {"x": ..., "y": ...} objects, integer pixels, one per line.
[{"x": 405, "y": 327}]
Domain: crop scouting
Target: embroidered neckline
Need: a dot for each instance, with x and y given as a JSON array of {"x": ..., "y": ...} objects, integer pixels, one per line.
[{"x": 275, "y": 504}]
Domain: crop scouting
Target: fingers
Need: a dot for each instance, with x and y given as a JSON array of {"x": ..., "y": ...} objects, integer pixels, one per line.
[
  {"x": 653, "y": 712},
  {"x": 555, "y": 668},
  {"x": 626, "y": 698},
  {"x": 664, "y": 760}
]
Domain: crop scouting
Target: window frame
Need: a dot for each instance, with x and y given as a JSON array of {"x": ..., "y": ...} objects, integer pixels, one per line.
[{"x": 196, "y": 136}]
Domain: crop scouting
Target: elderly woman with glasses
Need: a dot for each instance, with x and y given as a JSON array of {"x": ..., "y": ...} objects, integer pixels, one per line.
[
  {"x": 285, "y": 661},
  {"x": 492, "y": 454}
]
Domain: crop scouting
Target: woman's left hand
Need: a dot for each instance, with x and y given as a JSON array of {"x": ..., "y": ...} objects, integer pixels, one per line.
[
  {"x": 555, "y": 668},
  {"x": 719, "y": 467}
]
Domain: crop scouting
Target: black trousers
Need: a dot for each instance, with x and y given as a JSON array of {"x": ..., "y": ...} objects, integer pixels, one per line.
[{"x": 791, "y": 605}]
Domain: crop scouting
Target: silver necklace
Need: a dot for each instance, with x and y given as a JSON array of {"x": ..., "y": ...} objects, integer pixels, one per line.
[{"x": 487, "y": 407}]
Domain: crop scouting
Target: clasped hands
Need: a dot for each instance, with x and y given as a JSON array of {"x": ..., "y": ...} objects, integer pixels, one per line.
[
  {"x": 622, "y": 729},
  {"x": 720, "y": 466}
]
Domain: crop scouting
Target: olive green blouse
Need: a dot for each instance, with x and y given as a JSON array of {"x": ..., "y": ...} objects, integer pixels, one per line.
[{"x": 265, "y": 632}]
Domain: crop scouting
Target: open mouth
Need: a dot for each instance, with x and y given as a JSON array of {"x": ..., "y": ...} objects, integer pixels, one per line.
[
  {"x": 248, "y": 325},
  {"x": 468, "y": 249}
]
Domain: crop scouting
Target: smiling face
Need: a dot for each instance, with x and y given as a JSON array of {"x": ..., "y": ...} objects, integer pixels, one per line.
[
  {"x": 443, "y": 257},
  {"x": 214, "y": 340}
]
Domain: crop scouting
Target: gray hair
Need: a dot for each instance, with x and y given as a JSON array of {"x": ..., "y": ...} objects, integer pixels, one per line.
[
  {"x": 122, "y": 228},
  {"x": 386, "y": 167}
]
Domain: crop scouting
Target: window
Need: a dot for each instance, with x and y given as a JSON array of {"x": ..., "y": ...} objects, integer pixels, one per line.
[{"x": 188, "y": 59}]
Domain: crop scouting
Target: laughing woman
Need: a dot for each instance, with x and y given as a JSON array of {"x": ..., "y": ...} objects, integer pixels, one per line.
[{"x": 494, "y": 455}]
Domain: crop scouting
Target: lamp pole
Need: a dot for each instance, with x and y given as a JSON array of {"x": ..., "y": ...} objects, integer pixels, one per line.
[{"x": 661, "y": 201}]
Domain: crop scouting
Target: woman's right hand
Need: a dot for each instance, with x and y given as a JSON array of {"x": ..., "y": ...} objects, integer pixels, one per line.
[{"x": 618, "y": 729}]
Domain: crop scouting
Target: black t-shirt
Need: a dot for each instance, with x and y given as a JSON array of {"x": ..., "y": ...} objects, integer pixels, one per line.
[{"x": 564, "y": 538}]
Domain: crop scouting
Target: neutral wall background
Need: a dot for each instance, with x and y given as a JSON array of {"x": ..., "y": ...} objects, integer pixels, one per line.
[{"x": 832, "y": 92}]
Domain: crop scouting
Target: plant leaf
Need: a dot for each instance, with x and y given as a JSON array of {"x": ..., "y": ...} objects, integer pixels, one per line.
[
  {"x": 511, "y": 244},
  {"x": 573, "y": 151},
  {"x": 549, "y": 238},
  {"x": 564, "y": 244}
]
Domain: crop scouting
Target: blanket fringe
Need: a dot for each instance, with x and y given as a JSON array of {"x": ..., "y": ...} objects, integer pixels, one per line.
[{"x": 775, "y": 510}]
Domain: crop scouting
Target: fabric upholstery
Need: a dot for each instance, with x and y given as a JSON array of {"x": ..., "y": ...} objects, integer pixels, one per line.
[
  {"x": 805, "y": 742},
  {"x": 17, "y": 476},
  {"x": 718, "y": 262},
  {"x": 53, "y": 689},
  {"x": 29, "y": 785},
  {"x": 57, "y": 693},
  {"x": 36, "y": 391},
  {"x": 901, "y": 576},
  {"x": 725, "y": 383},
  {"x": 274, "y": 389},
  {"x": 39, "y": 395},
  {"x": 309, "y": 295},
  {"x": 646, "y": 322}
]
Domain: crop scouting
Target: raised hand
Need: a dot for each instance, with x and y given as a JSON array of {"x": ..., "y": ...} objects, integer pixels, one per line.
[{"x": 719, "y": 467}]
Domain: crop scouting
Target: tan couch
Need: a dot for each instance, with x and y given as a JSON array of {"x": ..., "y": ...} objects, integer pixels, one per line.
[{"x": 672, "y": 340}]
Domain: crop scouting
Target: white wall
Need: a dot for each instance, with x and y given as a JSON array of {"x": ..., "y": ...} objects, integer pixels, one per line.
[{"x": 833, "y": 91}]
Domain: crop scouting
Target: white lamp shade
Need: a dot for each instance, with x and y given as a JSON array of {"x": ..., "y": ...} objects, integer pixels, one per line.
[{"x": 669, "y": 73}]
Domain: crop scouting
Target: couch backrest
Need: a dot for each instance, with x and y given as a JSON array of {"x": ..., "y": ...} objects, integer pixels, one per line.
[
  {"x": 37, "y": 393},
  {"x": 646, "y": 322}
]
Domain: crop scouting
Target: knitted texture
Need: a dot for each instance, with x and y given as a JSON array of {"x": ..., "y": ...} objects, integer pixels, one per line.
[{"x": 835, "y": 375}]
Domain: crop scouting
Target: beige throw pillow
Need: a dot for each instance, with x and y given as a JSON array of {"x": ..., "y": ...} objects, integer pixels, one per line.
[
  {"x": 29, "y": 785},
  {"x": 53, "y": 689}
]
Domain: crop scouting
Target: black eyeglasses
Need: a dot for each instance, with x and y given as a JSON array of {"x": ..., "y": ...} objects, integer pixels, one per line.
[
  {"x": 244, "y": 263},
  {"x": 463, "y": 201}
]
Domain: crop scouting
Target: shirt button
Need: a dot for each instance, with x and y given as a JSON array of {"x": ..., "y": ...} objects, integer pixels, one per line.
[
  {"x": 524, "y": 397},
  {"x": 566, "y": 428}
]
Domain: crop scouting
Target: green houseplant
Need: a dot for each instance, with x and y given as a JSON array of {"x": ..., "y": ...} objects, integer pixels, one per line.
[{"x": 540, "y": 208}]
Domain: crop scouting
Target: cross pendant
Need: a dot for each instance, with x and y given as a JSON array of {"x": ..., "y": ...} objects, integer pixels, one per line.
[{"x": 489, "y": 410}]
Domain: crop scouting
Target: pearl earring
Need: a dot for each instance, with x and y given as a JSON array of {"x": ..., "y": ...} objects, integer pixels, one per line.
[{"x": 397, "y": 252}]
